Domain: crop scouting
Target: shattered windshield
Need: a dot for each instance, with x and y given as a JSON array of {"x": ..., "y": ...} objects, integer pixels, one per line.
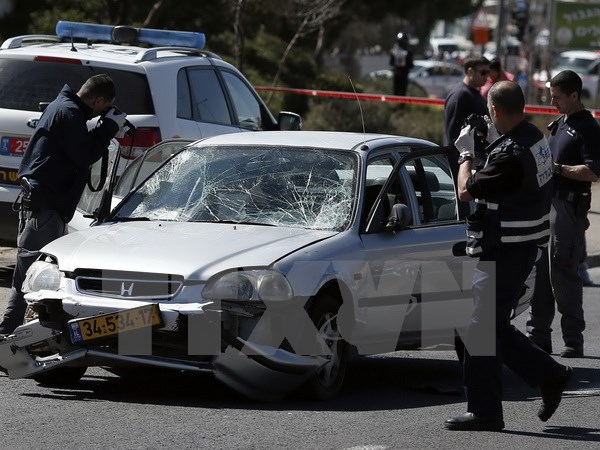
[{"x": 277, "y": 186}]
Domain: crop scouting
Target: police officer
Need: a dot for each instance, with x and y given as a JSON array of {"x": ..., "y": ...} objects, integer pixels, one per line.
[
  {"x": 574, "y": 141},
  {"x": 54, "y": 171},
  {"x": 401, "y": 60},
  {"x": 511, "y": 220}
]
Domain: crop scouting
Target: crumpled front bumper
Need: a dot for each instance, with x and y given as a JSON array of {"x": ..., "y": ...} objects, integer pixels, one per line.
[{"x": 257, "y": 371}]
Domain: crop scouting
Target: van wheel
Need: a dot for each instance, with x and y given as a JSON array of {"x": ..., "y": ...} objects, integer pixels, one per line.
[{"x": 327, "y": 382}]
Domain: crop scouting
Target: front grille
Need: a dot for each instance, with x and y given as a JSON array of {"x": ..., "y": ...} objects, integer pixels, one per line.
[{"x": 128, "y": 285}]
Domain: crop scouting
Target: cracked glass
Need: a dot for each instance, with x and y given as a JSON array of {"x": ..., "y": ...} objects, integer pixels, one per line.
[{"x": 273, "y": 186}]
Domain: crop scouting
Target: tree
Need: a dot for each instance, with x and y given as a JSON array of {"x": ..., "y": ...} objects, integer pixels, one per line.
[{"x": 310, "y": 16}]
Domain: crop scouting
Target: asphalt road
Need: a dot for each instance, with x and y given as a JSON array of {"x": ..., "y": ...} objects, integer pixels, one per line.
[{"x": 393, "y": 401}]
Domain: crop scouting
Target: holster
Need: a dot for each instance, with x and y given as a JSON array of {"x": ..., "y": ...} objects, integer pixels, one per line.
[{"x": 583, "y": 203}]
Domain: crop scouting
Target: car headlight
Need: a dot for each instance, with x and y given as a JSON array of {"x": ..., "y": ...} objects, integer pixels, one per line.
[
  {"x": 42, "y": 275},
  {"x": 247, "y": 286}
]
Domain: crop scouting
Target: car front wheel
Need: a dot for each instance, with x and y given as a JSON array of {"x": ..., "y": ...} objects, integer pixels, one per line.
[{"x": 327, "y": 382}]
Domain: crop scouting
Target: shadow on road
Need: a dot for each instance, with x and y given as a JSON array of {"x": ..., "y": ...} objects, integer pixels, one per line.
[
  {"x": 371, "y": 384},
  {"x": 562, "y": 433}
]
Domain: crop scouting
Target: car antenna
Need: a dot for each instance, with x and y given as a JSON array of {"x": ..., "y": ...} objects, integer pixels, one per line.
[{"x": 362, "y": 118}]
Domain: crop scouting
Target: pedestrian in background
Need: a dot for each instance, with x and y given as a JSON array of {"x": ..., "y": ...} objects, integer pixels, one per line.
[
  {"x": 401, "y": 60},
  {"x": 575, "y": 144},
  {"x": 54, "y": 171},
  {"x": 513, "y": 190},
  {"x": 496, "y": 74},
  {"x": 465, "y": 99}
]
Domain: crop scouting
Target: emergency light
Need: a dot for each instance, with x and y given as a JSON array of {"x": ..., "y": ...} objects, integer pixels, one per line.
[{"x": 129, "y": 35}]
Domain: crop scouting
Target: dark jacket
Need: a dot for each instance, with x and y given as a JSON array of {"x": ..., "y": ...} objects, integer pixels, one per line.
[
  {"x": 513, "y": 191},
  {"x": 61, "y": 150},
  {"x": 461, "y": 102}
]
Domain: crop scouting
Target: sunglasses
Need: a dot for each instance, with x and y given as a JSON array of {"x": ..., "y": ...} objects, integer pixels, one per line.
[{"x": 484, "y": 72}]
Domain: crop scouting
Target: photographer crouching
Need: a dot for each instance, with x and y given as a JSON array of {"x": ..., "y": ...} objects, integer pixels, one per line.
[
  {"x": 54, "y": 171},
  {"x": 513, "y": 193}
]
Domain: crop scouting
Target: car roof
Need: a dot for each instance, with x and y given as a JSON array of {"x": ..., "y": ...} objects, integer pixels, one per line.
[
  {"x": 123, "y": 55},
  {"x": 319, "y": 139},
  {"x": 432, "y": 63},
  {"x": 583, "y": 54}
]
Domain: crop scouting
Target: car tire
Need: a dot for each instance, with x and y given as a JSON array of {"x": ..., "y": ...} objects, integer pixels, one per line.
[
  {"x": 60, "y": 377},
  {"x": 327, "y": 382}
]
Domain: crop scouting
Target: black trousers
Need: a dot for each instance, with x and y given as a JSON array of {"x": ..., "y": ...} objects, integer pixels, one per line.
[
  {"x": 559, "y": 279},
  {"x": 36, "y": 229},
  {"x": 491, "y": 340}
]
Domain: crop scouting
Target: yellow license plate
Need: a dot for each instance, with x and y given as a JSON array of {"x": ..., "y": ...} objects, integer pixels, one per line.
[{"x": 82, "y": 330}]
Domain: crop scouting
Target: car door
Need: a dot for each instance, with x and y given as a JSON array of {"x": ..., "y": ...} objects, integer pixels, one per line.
[
  {"x": 132, "y": 176},
  {"x": 420, "y": 291}
]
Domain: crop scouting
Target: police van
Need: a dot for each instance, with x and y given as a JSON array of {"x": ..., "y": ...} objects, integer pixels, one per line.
[{"x": 166, "y": 82}]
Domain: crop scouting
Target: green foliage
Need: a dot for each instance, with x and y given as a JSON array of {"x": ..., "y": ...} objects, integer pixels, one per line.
[{"x": 267, "y": 27}]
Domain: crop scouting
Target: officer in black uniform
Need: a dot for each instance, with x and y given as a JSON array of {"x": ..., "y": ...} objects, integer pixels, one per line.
[
  {"x": 510, "y": 222},
  {"x": 54, "y": 171},
  {"x": 401, "y": 60},
  {"x": 575, "y": 144}
]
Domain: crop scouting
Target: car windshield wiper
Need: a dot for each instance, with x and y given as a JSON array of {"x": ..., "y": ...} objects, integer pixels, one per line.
[
  {"x": 236, "y": 222},
  {"x": 128, "y": 219}
]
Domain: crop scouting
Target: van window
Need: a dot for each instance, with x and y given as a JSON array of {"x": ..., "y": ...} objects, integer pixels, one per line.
[{"x": 24, "y": 84}]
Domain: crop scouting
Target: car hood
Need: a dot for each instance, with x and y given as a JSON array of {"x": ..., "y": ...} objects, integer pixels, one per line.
[{"x": 194, "y": 250}]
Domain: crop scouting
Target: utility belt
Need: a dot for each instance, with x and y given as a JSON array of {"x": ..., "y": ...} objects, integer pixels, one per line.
[
  {"x": 25, "y": 203},
  {"x": 581, "y": 200}
]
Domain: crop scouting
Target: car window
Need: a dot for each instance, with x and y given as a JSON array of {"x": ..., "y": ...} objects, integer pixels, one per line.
[
  {"x": 380, "y": 175},
  {"x": 247, "y": 108},
  {"x": 207, "y": 100},
  {"x": 24, "y": 84},
  {"x": 434, "y": 187},
  {"x": 290, "y": 187},
  {"x": 575, "y": 64}
]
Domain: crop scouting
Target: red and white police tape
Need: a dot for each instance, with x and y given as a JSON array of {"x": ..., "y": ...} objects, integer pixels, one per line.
[{"x": 532, "y": 109}]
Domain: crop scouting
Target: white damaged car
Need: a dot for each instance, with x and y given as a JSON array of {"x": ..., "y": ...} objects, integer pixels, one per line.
[{"x": 267, "y": 259}]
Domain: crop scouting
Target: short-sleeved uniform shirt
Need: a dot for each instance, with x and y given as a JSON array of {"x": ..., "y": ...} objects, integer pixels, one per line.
[{"x": 575, "y": 141}]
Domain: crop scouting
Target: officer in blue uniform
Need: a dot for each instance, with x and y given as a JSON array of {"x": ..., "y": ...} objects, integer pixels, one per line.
[
  {"x": 54, "y": 171},
  {"x": 575, "y": 144},
  {"x": 511, "y": 220}
]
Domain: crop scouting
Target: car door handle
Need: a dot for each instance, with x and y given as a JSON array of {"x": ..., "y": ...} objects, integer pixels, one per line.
[{"x": 459, "y": 249}]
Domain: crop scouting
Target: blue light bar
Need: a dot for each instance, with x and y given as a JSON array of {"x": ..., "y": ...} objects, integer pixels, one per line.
[
  {"x": 105, "y": 33},
  {"x": 171, "y": 38},
  {"x": 90, "y": 31}
]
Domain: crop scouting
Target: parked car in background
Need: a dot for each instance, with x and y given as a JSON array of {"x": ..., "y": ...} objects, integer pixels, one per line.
[
  {"x": 585, "y": 63},
  {"x": 267, "y": 259},
  {"x": 436, "y": 78},
  {"x": 427, "y": 78},
  {"x": 168, "y": 85}
]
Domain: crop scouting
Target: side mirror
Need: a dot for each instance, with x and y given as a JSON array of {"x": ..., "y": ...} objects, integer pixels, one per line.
[
  {"x": 289, "y": 121},
  {"x": 399, "y": 218}
]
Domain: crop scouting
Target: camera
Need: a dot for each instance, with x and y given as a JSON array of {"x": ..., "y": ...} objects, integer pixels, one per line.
[
  {"x": 480, "y": 129},
  {"x": 128, "y": 127}
]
